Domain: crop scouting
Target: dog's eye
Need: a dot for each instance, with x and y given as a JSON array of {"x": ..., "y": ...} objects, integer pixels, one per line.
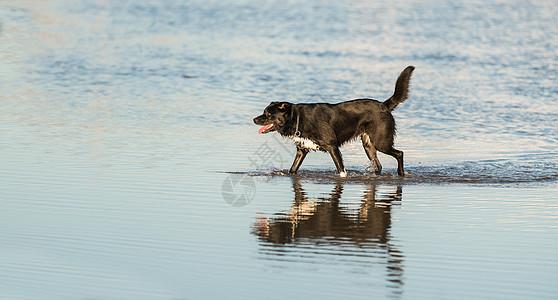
[{"x": 268, "y": 114}]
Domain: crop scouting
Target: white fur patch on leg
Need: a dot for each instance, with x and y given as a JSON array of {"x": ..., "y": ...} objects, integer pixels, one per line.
[
  {"x": 343, "y": 174},
  {"x": 305, "y": 143}
]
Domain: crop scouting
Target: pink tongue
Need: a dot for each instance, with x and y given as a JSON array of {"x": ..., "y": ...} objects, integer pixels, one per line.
[{"x": 266, "y": 127}]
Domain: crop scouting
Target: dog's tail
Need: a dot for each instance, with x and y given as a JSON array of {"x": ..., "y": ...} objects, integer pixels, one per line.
[{"x": 401, "y": 89}]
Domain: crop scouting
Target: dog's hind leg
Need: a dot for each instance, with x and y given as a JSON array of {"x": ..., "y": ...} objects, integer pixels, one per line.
[
  {"x": 371, "y": 153},
  {"x": 398, "y": 154},
  {"x": 300, "y": 155},
  {"x": 337, "y": 160}
]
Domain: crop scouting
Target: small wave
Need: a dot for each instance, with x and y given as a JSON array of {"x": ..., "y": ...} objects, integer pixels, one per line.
[{"x": 477, "y": 173}]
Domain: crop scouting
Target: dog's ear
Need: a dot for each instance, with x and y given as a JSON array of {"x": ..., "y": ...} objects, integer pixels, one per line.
[{"x": 284, "y": 105}]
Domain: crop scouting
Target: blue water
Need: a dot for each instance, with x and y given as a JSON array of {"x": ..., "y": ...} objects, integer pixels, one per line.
[{"x": 131, "y": 168}]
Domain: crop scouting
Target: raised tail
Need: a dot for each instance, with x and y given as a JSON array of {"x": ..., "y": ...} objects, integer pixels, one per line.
[{"x": 401, "y": 89}]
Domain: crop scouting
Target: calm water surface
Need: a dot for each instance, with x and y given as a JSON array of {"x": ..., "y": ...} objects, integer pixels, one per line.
[{"x": 130, "y": 167}]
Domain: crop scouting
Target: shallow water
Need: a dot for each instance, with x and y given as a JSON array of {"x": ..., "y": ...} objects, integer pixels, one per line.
[{"x": 131, "y": 168}]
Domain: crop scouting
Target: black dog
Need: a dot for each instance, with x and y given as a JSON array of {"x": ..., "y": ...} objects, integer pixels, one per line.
[{"x": 326, "y": 127}]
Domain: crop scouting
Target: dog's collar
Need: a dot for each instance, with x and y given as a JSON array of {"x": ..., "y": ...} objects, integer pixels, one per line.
[{"x": 297, "y": 133}]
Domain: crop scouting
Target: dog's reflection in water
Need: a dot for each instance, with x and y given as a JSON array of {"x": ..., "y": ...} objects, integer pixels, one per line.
[{"x": 330, "y": 221}]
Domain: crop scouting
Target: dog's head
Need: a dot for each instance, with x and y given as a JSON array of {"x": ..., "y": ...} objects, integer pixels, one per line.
[{"x": 275, "y": 116}]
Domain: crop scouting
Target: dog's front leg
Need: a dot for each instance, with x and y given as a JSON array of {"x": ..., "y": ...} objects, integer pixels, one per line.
[
  {"x": 337, "y": 160},
  {"x": 300, "y": 155}
]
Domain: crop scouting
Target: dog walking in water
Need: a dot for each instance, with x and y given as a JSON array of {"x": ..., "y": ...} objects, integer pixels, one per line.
[{"x": 326, "y": 127}]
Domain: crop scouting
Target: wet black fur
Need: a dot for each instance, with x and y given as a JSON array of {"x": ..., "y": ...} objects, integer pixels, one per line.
[{"x": 332, "y": 125}]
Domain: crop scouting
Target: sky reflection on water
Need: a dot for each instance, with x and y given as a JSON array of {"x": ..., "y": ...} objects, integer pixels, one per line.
[{"x": 121, "y": 122}]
